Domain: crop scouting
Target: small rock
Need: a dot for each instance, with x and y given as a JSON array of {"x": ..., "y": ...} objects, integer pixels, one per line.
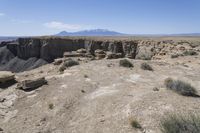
[{"x": 1, "y": 130}]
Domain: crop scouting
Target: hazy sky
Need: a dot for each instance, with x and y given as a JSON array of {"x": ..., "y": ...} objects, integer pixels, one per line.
[{"x": 45, "y": 17}]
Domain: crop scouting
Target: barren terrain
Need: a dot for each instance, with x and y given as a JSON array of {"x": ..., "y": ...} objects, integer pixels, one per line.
[{"x": 99, "y": 96}]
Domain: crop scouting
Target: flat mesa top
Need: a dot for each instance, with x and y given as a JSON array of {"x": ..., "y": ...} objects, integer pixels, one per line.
[{"x": 121, "y": 38}]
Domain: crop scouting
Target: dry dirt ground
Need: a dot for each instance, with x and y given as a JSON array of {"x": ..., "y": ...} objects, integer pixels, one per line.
[{"x": 99, "y": 97}]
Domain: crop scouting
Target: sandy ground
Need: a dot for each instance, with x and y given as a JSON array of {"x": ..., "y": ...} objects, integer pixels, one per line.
[{"x": 99, "y": 97}]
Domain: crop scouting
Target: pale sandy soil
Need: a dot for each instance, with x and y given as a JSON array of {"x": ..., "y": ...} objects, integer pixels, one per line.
[{"x": 104, "y": 101}]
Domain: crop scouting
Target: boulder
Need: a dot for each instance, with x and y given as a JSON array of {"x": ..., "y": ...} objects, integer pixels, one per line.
[
  {"x": 58, "y": 61},
  {"x": 6, "y": 76},
  {"x": 31, "y": 84}
]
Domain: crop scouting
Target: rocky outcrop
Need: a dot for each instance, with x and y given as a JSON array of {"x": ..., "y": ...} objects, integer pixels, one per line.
[
  {"x": 28, "y": 53},
  {"x": 47, "y": 49},
  {"x": 6, "y": 76},
  {"x": 28, "y": 85}
]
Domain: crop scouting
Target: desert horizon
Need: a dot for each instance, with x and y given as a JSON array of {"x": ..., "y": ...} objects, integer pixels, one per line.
[{"x": 126, "y": 66}]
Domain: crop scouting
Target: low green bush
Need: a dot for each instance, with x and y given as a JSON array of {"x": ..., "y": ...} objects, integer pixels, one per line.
[
  {"x": 189, "y": 53},
  {"x": 135, "y": 124},
  {"x": 146, "y": 66},
  {"x": 125, "y": 63}
]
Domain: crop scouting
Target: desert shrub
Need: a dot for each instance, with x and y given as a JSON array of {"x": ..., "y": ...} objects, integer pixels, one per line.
[
  {"x": 190, "y": 53},
  {"x": 181, "y": 87},
  {"x": 180, "y": 124},
  {"x": 86, "y": 76},
  {"x": 146, "y": 66},
  {"x": 83, "y": 91},
  {"x": 125, "y": 63},
  {"x": 51, "y": 106},
  {"x": 62, "y": 68},
  {"x": 195, "y": 44},
  {"x": 68, "y": 63},
  {"x": 175, "y": 56},
  {"x": 135, "y": 124}
]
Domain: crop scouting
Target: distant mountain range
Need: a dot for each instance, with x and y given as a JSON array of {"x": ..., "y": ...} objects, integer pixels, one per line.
[
  {"x": 104, "y": 32},
  {"x": 185, "y": 34},
  {"x": 94, "y": 32}
]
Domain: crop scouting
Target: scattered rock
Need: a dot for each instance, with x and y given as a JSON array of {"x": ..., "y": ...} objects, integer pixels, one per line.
[
  {"x": 1, "y": 130},
  {"x": 29, "y": 85}
]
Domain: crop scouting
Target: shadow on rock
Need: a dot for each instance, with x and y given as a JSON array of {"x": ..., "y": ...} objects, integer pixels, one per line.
[{"x": 7, "y": 84}]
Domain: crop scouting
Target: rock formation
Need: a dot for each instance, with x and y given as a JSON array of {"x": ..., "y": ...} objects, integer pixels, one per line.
[
  {"x": 29, "y": 53},
  {"x": 28, "y": 85}
]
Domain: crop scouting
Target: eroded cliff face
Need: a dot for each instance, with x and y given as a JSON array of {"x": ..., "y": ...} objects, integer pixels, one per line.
[
  {"x": 126, "y": 48},
  {"x": 28, "y": 53},
  {"x": 47, "y": 49},
  {"x": 52, "y": 48}
]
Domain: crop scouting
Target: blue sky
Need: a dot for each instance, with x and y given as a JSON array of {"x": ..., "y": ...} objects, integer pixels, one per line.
[{"x": 45, "y": 17}]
